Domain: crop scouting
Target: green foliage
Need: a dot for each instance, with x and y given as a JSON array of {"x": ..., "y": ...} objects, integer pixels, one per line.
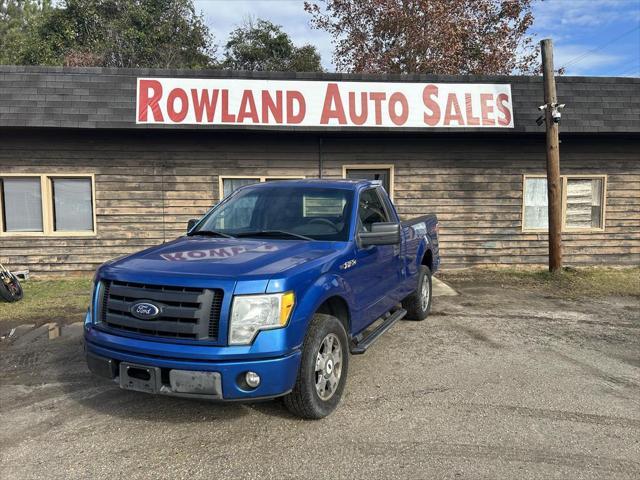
[
  {"x": 18, "y": 20},
  {"x": 116, "y": 33},
  {"x": 139, "y": 33},
  {"x": 263, "y": 46}
]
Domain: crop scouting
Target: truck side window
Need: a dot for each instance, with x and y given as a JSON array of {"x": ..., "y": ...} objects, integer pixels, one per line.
[{"x": 370, "y": 210}]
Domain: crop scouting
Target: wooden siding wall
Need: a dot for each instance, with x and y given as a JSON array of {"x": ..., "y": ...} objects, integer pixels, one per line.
[
  {"x": 148, "y": 185},
  {"x": 475, "y": 187}
]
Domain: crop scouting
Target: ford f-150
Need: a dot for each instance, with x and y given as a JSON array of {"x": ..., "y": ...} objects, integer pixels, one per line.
[{"x": 266, "y": 296}]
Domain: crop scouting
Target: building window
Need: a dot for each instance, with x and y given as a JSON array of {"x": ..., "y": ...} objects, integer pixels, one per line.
[
  {"x": 230, "y": 184},
  {"x": 382, "y": 173},
  {"x": 72, "y": 204},
  {"x": 22, "y": 204},
  {"x": 535, "y": 204},
  {"x": 47, "y": 205},
  {"x": 323, "y": 205},
  {"x": 583, "y": 201}
]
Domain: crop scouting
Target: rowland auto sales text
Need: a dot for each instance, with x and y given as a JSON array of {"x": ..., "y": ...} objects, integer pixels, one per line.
[{"x": 322, "y": 103}]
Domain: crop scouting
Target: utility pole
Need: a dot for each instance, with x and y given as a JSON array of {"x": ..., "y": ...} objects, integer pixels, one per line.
[{"x": 553, "y": 157}]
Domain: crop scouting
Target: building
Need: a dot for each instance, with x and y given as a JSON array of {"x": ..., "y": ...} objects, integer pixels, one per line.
[{"x": 95, "y": 164}]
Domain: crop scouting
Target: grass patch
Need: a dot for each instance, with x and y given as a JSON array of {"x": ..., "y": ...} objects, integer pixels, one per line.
[
  {"x": 66, "y": 300},
  {"x": 48, "y": 300},
  {"x": 591, "y": 282}
]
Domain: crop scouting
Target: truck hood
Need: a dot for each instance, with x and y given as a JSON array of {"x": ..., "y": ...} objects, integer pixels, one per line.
[{"x": 227, "y": 258}]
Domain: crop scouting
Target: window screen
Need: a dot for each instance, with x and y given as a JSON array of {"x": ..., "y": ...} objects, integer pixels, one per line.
[
  {"x": 72, "y": 204},
  {"x": 22, "y": 204},
  {"x": 536, "y": 214},
  {"x": 584, "y": 203}
]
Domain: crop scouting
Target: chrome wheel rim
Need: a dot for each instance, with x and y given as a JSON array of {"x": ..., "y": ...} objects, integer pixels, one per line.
[
  {"x": 425, "y": 293},
  {"x": 328, "y": 366}
]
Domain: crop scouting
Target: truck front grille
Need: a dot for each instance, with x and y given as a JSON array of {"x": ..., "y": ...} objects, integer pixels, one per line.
[{"x": 185, "y": 312}]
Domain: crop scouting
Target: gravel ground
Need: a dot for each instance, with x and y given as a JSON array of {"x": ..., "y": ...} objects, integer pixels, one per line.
[{"x": 496, "y": 383}]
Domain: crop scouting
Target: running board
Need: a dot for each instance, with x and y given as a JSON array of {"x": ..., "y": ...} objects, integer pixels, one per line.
[{"x": 359, "y": 345}]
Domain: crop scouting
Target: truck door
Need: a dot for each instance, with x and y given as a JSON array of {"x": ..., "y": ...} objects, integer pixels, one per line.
[{"x": 375, "y": 278}]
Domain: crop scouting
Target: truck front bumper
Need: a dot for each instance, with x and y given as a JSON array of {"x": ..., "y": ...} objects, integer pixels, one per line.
[{"x": 215, "y": 380}]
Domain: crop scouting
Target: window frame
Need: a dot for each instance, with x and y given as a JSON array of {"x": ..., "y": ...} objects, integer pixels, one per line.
[
  {"x": 565, "y": 181},
  {"x": 563, "y": 199},
  {"x": 524, "y": 196},
  {"x": 385, "y": 208},
  {"x": 46, "y": 194},
  {"x": 261, "y": 178},
  {"x": 374, "y": 166}
]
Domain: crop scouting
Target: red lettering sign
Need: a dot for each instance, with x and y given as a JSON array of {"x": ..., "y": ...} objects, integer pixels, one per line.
[{"x": 322, "y": 104}]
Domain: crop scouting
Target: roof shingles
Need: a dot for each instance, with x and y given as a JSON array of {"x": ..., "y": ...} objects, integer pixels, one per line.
[{"x": 105, "y": 98}]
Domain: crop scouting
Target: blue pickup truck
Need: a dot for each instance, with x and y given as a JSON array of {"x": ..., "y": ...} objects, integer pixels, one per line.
[{"x": 266, "y": 295}]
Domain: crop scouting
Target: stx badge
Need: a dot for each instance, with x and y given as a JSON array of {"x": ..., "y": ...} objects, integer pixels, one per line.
[{"x": 348, "y": 264}]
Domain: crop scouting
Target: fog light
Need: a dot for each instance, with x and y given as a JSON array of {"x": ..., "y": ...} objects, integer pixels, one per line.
[{"x": 252, "y": 379}]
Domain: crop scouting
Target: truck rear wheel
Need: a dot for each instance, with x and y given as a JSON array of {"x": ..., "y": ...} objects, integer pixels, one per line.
[
  {"x": 323, "y": 369},
  {"x": 418, "y": 304}
]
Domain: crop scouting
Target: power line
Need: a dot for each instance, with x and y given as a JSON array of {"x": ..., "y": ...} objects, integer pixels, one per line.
[
  {"x": 628, "y": 71},
  {"x": 582, "y": 56},
  {"x": 633, "y": 67}
]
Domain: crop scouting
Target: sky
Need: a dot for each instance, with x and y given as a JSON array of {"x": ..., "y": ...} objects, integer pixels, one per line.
[{"x": 591, "y": 37}]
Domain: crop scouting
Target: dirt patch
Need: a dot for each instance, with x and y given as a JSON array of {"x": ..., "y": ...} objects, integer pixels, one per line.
[{"x": 502, "y": 381}]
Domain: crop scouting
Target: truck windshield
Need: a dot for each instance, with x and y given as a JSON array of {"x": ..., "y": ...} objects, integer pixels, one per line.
[{"x": 291, "y": 213}]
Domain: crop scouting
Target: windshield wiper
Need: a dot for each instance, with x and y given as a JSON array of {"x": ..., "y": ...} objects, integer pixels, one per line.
[
  {"x": 210, "y": 233},
  {"x": 273, "y": 233}
]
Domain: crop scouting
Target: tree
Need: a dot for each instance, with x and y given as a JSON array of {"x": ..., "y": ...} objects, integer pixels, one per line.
[
  {"x": 262, "y": 46},
  {"x": 121, "y": 33},
  {"x": 17, "y": 19},
  {"x": 428, "y": 36}
]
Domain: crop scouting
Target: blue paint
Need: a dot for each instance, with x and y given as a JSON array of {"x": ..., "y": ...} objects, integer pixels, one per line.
[{"x": 376, "y": 278}]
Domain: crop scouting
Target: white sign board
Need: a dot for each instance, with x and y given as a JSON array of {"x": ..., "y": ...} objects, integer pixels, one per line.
[{"x": 324, "y": 104}]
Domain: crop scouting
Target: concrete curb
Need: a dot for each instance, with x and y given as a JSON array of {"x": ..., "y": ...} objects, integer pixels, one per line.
[{"x": 441, "y": 289}]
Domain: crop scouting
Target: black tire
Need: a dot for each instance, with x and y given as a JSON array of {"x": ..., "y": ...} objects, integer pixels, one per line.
[
  {"x": 413, "y": 304},
  {"x": 304, "y": 400},
  {"x": 13, "y": 292}
]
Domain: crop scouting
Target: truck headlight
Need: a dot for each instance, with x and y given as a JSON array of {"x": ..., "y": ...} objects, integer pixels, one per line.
[{"x": 252, "y": 313}]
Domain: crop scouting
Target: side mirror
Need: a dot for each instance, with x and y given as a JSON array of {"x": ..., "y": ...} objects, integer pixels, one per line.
[
  {"x": 383, "y": 233},
  {"x": 191, "y": 223}
]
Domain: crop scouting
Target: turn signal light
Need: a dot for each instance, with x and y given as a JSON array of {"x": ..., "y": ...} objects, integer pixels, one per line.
[{"x": 286, "y": 305}]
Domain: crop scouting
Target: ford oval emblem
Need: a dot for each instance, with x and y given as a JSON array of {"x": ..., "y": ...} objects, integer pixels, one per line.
[{"x": 144, "y": 310}]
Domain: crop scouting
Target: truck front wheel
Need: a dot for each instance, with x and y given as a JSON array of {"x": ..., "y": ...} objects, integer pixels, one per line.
[
  {"x": 418, "y": 304},
  {"x": 323, "y": 369}
]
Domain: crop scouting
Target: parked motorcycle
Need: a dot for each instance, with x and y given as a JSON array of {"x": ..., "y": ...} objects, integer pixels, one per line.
[{"x": 10, "y": 288}]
